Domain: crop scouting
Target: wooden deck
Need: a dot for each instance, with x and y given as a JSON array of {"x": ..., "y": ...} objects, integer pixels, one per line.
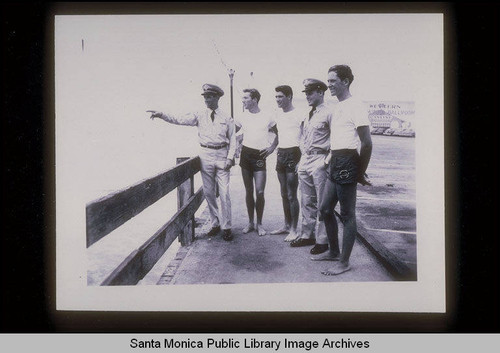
[{"x": 384, "y": 251}]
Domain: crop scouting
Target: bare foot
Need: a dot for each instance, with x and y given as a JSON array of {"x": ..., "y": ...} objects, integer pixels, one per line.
[
  {"x": 248, "y": 228},
  {"x": 261, "y": 231},
  {"x": 337, "y": 269},
  {"x": 291, "y": 236},
  {"x": 283, "y": 230},
  {"x": 327, "y": 256}
]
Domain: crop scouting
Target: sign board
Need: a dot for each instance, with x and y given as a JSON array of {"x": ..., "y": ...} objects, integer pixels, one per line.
[{"x": 391, "y": 117}]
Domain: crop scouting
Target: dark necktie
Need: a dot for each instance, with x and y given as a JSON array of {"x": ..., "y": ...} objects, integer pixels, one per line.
[
  {"x": 312, "y": 112},
  {"x": 212, "y": 115}
]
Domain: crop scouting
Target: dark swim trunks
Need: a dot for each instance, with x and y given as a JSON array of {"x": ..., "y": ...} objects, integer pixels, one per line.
[
  {"x": 344, "y": 166},
  {"x": 287, "y": 159},
  {"x": 250, "y": 159}
]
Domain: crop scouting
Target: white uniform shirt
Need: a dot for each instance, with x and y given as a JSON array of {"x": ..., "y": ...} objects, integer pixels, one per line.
[
  {"x": 217, "y": 132},
  {"x": 348, "y": 115},
  {"x": 255, "y": 129},
  {"x": 288, "y": 125},
  {"x": 315, "y": 131}
]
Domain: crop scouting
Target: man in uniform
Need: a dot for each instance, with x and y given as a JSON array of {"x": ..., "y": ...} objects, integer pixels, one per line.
[
  {"x": 350, "y": 129},
  {"x": 216, "y": 133},
  {"x": 314, "y": 145}
]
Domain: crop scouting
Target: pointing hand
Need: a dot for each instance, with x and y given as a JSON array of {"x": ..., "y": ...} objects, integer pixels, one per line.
[{"x": 154, "y": 114}]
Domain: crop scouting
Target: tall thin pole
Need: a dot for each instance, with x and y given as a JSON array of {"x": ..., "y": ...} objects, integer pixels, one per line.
[{"x": 231, "y": 75}]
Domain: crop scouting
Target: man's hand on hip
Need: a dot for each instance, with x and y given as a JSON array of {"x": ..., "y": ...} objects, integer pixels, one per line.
[
  {"x": 364, "y": 180},
  {"x": 228, "y": 164},
  {"x": 265, "y": 152}
]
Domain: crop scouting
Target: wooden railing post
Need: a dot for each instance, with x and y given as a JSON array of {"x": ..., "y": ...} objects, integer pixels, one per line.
[{"x": 184, "y": 192}]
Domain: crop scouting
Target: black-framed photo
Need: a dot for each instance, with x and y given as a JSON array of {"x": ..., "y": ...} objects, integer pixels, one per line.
[
  {"x": 76, "y": 275},
  {"x": 111, "y": 158}
]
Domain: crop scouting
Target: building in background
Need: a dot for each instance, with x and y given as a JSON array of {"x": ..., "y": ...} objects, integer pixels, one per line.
[{"x": 391, "y": 118}]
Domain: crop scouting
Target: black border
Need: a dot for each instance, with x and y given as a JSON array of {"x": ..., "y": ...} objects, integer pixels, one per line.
[{"x": 28, "y": 188}]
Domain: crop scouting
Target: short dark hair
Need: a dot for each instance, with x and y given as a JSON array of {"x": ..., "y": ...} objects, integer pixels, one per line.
[
  {"x": 253, "y": 93},
  {"x": 343, "y": 72},
  {"x": 286, "y": 90}
]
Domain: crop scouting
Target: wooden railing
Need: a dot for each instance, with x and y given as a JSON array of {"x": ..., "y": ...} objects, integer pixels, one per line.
[{"x": 108, "y": 213}]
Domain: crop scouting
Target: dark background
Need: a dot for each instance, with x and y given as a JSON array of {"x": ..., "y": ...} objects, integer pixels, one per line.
[{"x": 27, "y": 257}]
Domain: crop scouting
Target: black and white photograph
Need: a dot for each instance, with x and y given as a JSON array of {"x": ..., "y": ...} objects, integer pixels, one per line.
[
  {"x": 249, "y": 176},
  {"x": 158, "y": 183},
  {"x": 249, "y": 156}
]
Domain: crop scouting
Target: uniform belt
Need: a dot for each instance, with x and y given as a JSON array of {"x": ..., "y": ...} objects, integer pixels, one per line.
[
  {"x": 216, "y": 147},
  {"x": 287, "y": 149},
  {"x": 317, "y": 152}
]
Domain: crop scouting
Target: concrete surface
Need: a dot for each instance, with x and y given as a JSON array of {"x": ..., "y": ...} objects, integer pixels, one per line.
[{"x": 386, "y": 211}]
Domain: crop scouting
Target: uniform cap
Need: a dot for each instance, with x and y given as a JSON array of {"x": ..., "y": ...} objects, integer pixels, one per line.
[
  {"x": 311, "y": 84},
  {"x": 212, "y": 89}
]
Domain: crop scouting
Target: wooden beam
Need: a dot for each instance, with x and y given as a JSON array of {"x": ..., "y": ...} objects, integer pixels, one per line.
[
  {"x": 398, "y": 269},
  {"x": 184, "y": 192},
  {"x": 108, "y": 213},
  {"x": 142, "y": 260}
]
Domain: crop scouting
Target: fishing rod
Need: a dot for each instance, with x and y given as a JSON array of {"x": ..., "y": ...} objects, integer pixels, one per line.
[
  {"x": 230, "y": 72},
  {"x": 231, "y": 75}
]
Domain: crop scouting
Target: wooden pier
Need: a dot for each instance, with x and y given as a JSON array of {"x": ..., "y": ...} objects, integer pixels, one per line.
[{"x": 385, "y": 249}]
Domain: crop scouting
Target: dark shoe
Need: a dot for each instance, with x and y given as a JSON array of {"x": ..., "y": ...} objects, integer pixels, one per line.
[
  {"x": 319, "y": 249},
  {"x": 227, "y": 235},
  {"x": 302, "y": 242},
  {"x": 213, "y": 232}
]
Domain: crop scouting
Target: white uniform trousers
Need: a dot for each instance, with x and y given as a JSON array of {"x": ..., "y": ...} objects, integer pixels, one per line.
[
  {"x": 212, "y": 174},
  {"x": 312, "y": 177}
]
